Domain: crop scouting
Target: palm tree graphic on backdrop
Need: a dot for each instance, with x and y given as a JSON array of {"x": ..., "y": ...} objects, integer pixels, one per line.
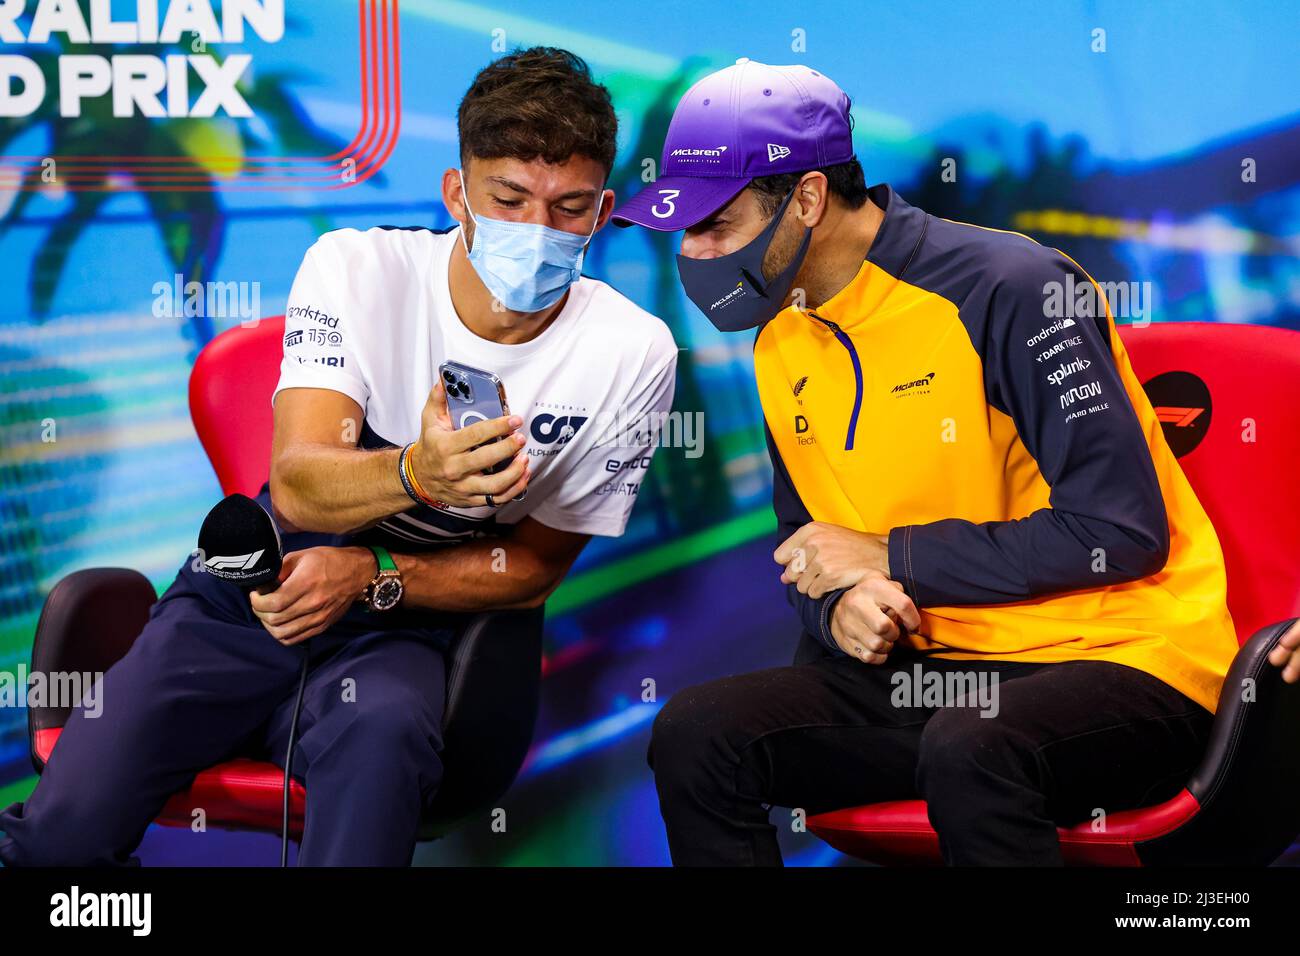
[{"x": 191, "y": 223}]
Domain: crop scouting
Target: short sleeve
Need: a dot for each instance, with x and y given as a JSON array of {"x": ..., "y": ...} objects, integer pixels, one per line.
[
  {"x": 598, "y": 492},
  {"x": 319, "y": 351}
]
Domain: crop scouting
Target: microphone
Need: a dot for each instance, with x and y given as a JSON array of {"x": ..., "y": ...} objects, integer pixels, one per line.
[{"x": 241, "y": 544}]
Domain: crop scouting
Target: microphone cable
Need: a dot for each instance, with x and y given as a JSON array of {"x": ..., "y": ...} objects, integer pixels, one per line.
[{"x": 288, "y": 757}]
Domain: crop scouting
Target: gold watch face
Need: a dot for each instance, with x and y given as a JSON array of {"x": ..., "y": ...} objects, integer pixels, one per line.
[{"x": 386, "y": 593}]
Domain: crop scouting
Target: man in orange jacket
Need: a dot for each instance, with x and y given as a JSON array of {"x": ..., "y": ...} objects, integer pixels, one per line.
[{"x": 1013, "y": 604}]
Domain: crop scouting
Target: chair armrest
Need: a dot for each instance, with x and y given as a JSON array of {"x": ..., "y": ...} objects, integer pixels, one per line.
[
  {"x": 493, "y": 687},
  {"x": 1248, "y": 782},
  {"x": 89, "y": 621}
]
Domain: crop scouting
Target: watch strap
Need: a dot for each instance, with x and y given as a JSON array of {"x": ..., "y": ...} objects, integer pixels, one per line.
[{"x": 386, "y": 562}]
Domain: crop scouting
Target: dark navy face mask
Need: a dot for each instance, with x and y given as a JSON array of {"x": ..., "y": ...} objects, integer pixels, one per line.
[{"x": 730, "y": 290}]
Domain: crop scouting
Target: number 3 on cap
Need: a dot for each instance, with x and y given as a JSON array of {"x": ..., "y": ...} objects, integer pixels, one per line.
[{"x": 669, "y": 195}]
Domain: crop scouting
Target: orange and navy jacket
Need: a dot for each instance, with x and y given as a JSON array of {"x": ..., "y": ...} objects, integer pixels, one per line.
[{"x": 963, "y": 394}]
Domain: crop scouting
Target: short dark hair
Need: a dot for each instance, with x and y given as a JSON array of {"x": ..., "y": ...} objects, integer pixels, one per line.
[
  {"x": 539, "y": 102},
  {"x": 844, "y": 180}
]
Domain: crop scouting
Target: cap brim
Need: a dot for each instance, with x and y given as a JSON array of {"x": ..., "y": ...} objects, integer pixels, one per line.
[{"x": 691, "y": 199}]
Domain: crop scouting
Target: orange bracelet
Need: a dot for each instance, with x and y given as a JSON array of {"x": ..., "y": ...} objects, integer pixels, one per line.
[{"x": 423, "y": 495}]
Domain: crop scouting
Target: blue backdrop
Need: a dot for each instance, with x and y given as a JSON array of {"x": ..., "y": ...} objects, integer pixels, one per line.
[{"x": 1156, "y": 144}]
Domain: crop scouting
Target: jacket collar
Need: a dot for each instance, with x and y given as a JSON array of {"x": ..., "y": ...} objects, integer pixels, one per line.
[
  {"x": 896, "y": 242},
  {"x": 900, "y": 233}
]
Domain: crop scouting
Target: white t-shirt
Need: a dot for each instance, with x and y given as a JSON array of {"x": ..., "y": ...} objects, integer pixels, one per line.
[{"x": 370, "y": 315}]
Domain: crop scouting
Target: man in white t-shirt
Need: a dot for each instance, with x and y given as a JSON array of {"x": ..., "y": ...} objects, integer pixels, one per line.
[{"x": 391, "y": 523}]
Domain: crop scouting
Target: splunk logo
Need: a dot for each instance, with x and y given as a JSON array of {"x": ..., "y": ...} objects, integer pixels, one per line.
[
  {"x": 1065, "y": 371},
  {"x": 1051, "y": 330},
  {"x": 76, "y": 909}
]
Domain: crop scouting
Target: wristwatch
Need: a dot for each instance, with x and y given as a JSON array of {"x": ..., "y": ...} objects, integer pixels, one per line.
[{"x": 384, "y": 592}]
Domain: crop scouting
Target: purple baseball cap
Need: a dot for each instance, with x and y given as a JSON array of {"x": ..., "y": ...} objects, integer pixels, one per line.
[{"x": 740, "y": 123}]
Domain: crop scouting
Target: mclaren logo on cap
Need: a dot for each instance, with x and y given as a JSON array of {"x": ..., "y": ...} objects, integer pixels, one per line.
[
  {"x": 686, "y": 151},
  {"x": 775, "y": 152},
  {"x": 241, "y": 562}
]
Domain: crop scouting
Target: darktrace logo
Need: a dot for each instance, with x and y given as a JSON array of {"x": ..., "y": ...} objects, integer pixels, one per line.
[
  {"x": 922, "y": 383},
  {"x": 1182, "y": 404},
  {"x": 1058, "y": 348},
  {"x": 798, "y": 386}
]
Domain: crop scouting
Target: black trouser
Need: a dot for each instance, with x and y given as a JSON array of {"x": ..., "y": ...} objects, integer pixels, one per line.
[
  {"x": 204, "y": 683},
  {"x": 1064, "y": 741}
]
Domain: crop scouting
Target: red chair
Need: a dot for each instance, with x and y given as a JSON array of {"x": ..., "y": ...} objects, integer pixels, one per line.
[
  {"x": 91, "y": 618},
  {"x": 1227, "y": 397}
]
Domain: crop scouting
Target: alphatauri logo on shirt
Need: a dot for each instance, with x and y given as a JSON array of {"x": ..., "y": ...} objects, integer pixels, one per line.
[{"x": 552, "y": 429}]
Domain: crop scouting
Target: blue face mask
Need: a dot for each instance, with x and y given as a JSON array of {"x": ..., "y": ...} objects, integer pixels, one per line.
[{"x": 526, "y": 266}]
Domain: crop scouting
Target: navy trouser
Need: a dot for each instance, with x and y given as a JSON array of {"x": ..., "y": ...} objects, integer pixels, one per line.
[
  {"x": 204, "y": 682},
  {"x": 1063, "y": 741}
]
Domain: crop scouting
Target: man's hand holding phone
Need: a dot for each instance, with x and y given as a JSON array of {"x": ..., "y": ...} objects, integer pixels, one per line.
[{"x": 449, "y": 462}]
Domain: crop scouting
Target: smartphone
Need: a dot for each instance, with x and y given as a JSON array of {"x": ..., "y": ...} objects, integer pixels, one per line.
[{"x": 474, "y": 395}]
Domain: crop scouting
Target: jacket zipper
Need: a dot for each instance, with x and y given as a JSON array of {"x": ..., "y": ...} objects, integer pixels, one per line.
[{"x": 857, "y": 377}]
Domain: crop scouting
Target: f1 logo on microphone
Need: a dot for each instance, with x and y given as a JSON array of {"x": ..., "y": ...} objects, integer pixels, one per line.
[{"x": 241, "y": 562}]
